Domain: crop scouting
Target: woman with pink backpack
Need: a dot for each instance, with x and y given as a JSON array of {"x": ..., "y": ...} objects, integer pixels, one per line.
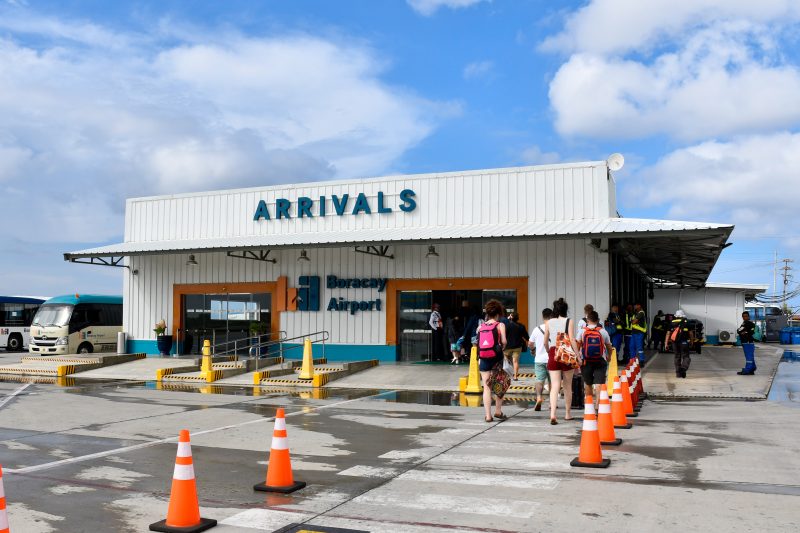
[{"x": 491, "y": 343}]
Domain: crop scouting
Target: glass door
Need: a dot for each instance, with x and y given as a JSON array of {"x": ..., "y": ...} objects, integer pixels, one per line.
[
  {"x": 224, "y": 318},
  {"x": 413, "y": 312}
]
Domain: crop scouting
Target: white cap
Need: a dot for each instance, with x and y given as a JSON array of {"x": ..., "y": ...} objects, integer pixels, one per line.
[{"x": 680, "y": 314}]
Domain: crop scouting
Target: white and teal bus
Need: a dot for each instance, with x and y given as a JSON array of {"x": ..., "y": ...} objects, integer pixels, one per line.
[
  {"x": 16, "y": 315},
  {"x": 76, "y": 323}
]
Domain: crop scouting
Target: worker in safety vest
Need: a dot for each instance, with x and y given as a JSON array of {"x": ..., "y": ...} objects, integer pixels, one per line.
[
  {"x": 680, "y": 336},
  {"x": 627, "y": 318},
  {"x": 638, "y": 332},
  {"x": 615, "y": 328},
  {"x": 657, "y": 332}
]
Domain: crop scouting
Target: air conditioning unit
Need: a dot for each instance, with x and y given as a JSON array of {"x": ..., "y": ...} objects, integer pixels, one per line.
[{"x": 726, "y": 336}]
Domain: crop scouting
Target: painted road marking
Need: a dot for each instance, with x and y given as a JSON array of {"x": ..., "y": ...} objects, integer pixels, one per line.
[
  {"x": 368, "y": 471},
  {"x": 470, "y": 477},
  {"x": 148, "y": 444},
  {"x": 13, "y": 394},
  {"x": 449, "y": 503}
]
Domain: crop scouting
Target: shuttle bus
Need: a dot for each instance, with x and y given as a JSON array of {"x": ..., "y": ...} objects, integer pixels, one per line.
[
  {"x": 16, "y": 314},
  {"x": 79, "y": 323}
]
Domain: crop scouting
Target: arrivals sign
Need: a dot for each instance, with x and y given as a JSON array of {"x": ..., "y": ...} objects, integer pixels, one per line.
[{"x": 305, "y": 207}]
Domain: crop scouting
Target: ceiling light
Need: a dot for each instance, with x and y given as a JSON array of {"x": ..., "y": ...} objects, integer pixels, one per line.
[
  {"x": 192, "y": 261},
  {"x": 303, "y": 255},
  {"x": 432, "y": 252}
]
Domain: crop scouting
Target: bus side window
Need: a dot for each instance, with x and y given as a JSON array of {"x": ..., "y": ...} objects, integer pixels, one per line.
[{"x": 79, "y": 319}]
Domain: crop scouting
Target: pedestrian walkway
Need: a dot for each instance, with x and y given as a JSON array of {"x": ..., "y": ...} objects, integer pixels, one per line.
[{"x": 713, "y": 374}]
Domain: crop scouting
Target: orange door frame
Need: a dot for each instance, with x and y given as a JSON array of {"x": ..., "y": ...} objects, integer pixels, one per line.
[
  {"x": 179, "y": 292},
  {"x": 393, "y": 286}
]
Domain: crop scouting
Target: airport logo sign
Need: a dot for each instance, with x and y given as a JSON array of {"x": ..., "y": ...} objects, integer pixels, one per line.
[
  {"x": 308, "y": 293},
  {"x": 342, "y": 205}
]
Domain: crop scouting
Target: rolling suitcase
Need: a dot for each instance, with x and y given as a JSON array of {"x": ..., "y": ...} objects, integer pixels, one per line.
[{"x": 577, "y": 390}]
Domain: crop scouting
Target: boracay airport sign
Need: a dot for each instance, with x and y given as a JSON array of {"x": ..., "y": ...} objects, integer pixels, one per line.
[{"x": 341, "y": 205}]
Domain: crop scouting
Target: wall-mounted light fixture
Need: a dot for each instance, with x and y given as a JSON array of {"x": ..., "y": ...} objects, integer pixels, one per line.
[
  {"x": 303, "y": 255},
  {"x": 432, "y": 252},
  {"x": 192, "y": 262}
]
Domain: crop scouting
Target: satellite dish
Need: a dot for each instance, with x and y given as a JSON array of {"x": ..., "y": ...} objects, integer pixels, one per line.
[{"x": 615, "y": 162}]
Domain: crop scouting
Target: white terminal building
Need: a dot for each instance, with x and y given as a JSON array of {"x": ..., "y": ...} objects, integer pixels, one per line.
[{"x": 364, "y": 260}]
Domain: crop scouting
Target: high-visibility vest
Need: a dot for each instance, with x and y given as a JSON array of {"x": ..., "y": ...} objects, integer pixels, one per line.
[{"x": 640, "y": 327}]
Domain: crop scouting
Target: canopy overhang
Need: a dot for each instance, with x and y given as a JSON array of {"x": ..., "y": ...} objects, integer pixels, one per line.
[{"x": 662, "y": 250}]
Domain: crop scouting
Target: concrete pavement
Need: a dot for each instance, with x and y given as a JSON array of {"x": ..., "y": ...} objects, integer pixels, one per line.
[
  {"x": 98, "y": 456},
  {"x": 712, "y": 374}
]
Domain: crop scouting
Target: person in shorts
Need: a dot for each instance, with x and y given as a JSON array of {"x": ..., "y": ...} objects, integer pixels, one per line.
[
  {"x": 517, "y": 338},
  {"x": 536, "y": 345},
  {"x": 595, "y": 357}
]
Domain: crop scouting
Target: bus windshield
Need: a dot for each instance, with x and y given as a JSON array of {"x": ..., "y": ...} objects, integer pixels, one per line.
[{"x": 53, "y": 315}]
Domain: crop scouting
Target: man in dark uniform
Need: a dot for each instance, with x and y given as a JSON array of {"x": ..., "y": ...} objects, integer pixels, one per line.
[
  {"x": 615, "y": 329},
  {"x": 681, "y": 340},
  {"x": 657, "y": 332},
  {"x": 747, "y": 333},
  {"x": 627, "y": 318}
]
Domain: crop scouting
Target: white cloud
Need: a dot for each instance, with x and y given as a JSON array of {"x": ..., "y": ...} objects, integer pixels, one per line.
[
  {"x": 621, "y": 26},
  {"x": 751, "y": 181},
  {"x": 724, "y": 79},
  {"x": 533, "y": 155},
  {"x": 427, "y": 8},
  {"x": 88, "y": 122},
  {"x": 478, "y": 69}
]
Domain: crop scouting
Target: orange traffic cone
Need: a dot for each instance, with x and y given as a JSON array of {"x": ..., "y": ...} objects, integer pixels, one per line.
[
  {"x": 279, "y": 471},
  {"x": 617, "y": 409},
  {"x": 639, "y": 385},
  {"x": 605, "y": 424},
  {"x": 590, "y": 455},
  {"x": 183, "y": 514},
  {"x": 636, "y": 376},
  {"x": 3, "y": 514},
  {"x": 625, "y": 389}
]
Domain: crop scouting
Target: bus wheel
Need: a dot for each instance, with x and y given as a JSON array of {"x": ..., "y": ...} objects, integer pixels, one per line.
[
  {"x": 85, "y": 348},
  {"x": 14, "y": 343}
]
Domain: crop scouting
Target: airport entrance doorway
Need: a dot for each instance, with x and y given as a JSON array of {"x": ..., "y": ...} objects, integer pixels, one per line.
[{"x": 410, "y": 303}]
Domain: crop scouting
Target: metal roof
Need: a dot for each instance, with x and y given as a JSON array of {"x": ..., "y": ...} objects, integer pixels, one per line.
[
  {"x": 601, "y": 228},
  {"x": 663, "y": 250}
]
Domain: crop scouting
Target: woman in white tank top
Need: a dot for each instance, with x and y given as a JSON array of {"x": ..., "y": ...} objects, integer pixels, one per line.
[{"x": 560, "y": 374}]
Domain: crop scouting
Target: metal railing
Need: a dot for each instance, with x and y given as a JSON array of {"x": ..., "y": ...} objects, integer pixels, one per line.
[
  {"x": 298, "y": 342},
  {"x": 248, "y": 344}
]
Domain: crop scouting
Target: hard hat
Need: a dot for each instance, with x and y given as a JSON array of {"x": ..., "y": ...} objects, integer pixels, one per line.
[{"x": 680, "y": 314}]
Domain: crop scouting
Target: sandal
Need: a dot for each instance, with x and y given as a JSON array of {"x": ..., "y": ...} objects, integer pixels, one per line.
[
  {"x": 553, "y": 422},
  {"x": 500, "y": 417},
  {"x": 488, "y": 420},
  {"x": 538, "y": 405},
  {"x": 570, "y": 418}
]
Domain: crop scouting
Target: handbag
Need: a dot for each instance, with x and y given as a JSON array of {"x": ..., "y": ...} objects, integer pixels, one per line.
[
  {"x": 499, "y": 380},
  {"x": 564, "y": 352},
  {"x": 508, "y": 367}
]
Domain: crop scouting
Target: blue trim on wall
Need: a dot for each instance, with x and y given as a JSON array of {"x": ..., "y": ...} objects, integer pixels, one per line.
[
  {"x": 146, "y": 347},
  {"x": 345, "y": 352}
]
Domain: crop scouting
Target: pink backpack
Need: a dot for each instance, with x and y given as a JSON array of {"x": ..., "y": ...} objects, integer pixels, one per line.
[{"x": 488, "y": 341}]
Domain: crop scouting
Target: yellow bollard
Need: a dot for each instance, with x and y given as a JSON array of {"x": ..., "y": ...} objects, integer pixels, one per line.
[
  {"x": 206, "y": 365},
  {"x": 474, "y": 380},
  {"x": 307, "y": 371},
  {"x": 612, "y": 370}
]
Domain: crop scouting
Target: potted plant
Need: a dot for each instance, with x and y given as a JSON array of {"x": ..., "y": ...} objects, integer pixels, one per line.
[
  {"x": 163, "y": 341},
  {"x": 257, "y": 329}
]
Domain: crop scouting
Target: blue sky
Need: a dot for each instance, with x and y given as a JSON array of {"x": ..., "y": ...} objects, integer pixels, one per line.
[{"x": 100, "y": 101}]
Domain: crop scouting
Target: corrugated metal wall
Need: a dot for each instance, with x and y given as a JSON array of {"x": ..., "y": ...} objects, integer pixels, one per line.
[
  {"x": 530, "y": 194},
  {"x": 570, "y": 268}
]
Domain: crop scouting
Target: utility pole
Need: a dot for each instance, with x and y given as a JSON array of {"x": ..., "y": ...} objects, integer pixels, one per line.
[
  {"x": 775, "y": 274},
  {"x": 786, "y": 276}
]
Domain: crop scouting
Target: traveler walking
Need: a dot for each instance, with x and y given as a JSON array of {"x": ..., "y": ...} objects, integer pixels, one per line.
[
  {"x": 560, "y": 331},
  {"x": 491, "y": 343},
  {"x": 638, "y": 332},
  {"x": 437, "y": 339},
  {"x": 588, "y": 308},
  {"x": 594, "y": 343},
  {"x": 615, "y": 328},
  {"x": 517, "y": 337},
  {"x": 747, "y": 333},
  {"x": 657, "y": 332},
  {"x": 454, "y": 331},
  {"x": 537, "y": 346},
  {"x": 680, "y": 337}
]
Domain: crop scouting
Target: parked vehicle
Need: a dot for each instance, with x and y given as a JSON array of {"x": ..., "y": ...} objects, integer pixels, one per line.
[
  {"x": 76, "y": 324},
  {"x": 16, "y": 314}
]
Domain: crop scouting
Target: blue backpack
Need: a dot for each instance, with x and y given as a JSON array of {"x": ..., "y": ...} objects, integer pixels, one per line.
[{"x": 594, "y": 348}]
